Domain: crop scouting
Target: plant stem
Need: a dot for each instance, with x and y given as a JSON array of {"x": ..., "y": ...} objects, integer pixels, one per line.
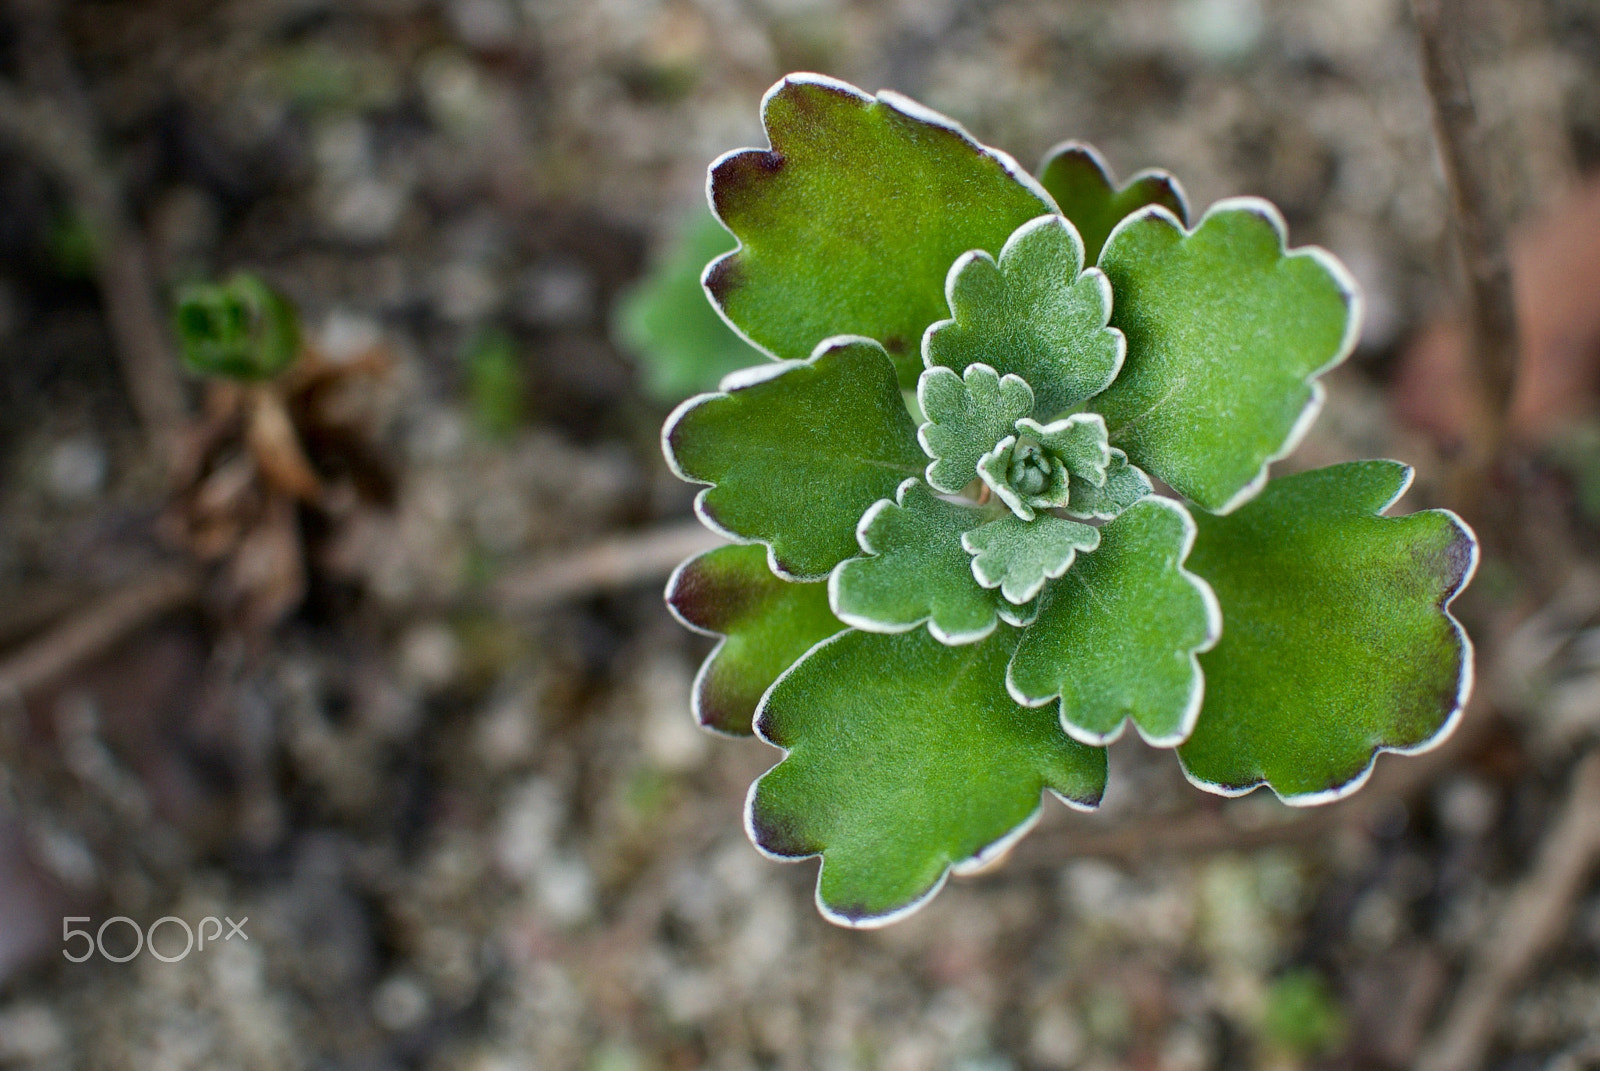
[{"x": 1479, "y": 229}]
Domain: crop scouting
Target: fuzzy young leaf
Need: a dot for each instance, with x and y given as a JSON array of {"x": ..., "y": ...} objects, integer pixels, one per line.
[
  {"x": 1117, "y": 636},
  {"x": 1082, "y": 184},
  {"x": 1339, "y": 640},
  {"x": 967, "y": 414},
  {"x": 1018, "y": 556},
  {"x": 915, "y": 569},
  {"x": 897, "y": 778},
  {"x": 849, "y": 223},
  {"x": 765, "y": 624},
  {"x": 670, "y": 326},
  {"x": 796, "y": 452},
  {"x": 1226, "y": 335},
  {"x": 1124, "y": 485},
  {"x": 1034, "y": 313},
  {"x": 239, "y": 329}
]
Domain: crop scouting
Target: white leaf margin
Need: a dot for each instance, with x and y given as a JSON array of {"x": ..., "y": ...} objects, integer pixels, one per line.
[
  {"x": 898, "y": 102},
  {"x": 1355, "y": 304},
  {"x": 1197, "y": 677},
  {"x": 982, "y": 859},
  {"x": 1464, "y": 684}
]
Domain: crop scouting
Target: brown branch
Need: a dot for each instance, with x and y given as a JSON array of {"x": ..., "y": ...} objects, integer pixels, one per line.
[
  {"x": 54, "y": 125},
  {"x": 1479, "y": 229},
  {"x": 606, "y": 566},
  {"x": 95, "y": 630},
  {"x": 1531, "y": 922}
]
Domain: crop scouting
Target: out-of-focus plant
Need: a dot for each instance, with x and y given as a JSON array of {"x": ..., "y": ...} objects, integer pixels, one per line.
[
  {"x": 239, "y": 329},
  {"x": 1073, "y": 344},
  {"x": 1301, "y": 1016},
  {"x": 494, "y": 383},
  {"x": 680, "y": 343}
]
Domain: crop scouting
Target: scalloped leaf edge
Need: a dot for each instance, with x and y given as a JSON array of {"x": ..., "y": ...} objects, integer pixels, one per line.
[
  {"x": 983, "y": 858},
  {"x": 1197, "y": 687},
  {"x": 900, "y": 103},
  {"x": 1355, "y": 303},
  {"x": 1464, "y": 685}
]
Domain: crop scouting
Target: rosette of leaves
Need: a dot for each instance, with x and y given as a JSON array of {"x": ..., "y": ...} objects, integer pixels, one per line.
[{"x": 954, "y": 582}]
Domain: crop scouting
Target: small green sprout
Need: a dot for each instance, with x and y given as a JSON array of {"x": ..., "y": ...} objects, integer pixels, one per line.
[{"x": 239, "y": 329}]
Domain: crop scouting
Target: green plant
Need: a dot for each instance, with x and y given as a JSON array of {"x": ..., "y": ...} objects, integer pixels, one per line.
[
  {"x": 680, "y": 343},
  {"x": 238, "y": 329},
  {"x": 1274, "y": 633}
]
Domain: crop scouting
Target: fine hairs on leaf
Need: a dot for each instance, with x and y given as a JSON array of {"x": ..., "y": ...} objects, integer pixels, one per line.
[{"x": 1006, "y": 590}]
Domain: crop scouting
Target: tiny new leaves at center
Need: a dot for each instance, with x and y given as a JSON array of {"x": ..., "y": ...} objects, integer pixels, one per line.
[
  {"x": 1117, "y": 636},
  {"x": 796, "y": 452},
  {"x": 906, "y": 760},
  {"x": 1227, "y": 333},
  {"x": 1339, "y": 640},
  {"x": 849, "y": 222},
  {"x": 1035, "y": 313}
]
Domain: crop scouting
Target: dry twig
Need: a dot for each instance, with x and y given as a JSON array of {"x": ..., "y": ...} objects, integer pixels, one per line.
[
  {"x": 1480, "y": 231},
  {"x": 606, "y": 566},
  {"x": 54, "y": 125},
  {"x": 96, "y": 630},
  {"x": 1529, "y": 925}
]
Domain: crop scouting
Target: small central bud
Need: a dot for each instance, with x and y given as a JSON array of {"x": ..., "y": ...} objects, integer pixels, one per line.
[{"x": 1030, "y": 469}]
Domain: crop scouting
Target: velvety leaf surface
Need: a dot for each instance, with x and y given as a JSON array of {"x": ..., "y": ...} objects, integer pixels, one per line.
[
  {"x": 795, "y": 458},
  {"x": 669, "y": 325},
  {"x": 1083, "y": 186},
  {"x": 897, "y": 778},
  {"x": 849, "y": 223},
  {"x": 1124, "y": 486},
  {"x": 1078, "y": 440},
  {"x": 1226, "y": 335},
  {"x": 1116, "y": 636},
  {"x": 1034, "y": 313},
  {"x": 1338, "y": 642},
  {"x": 765, "y": 623},
  {"x": 967, "y": 415},
  {"x": 915, "y": 569},
  {"x": 1018, "y": 556},
  {"x": 1024, "y": 477}
]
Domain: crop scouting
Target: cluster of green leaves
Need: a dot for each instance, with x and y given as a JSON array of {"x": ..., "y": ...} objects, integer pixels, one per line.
[
  {"x": 240, "y": 328},
  {"x": 978, "y": 380}
]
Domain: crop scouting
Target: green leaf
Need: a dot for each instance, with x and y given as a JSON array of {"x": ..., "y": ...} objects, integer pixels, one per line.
[
  {"x": 1035, "y": 313},
  {"x": 849, "y": 223},
  {"x": 896, "y": 778},
  {"x": 1018, "y": 556},
  {"x": 1226, "y": 336},
  {"x": 915, "y": 569},
  {"x": 1124, "y": 485},
  {"x": 495, "y": 383},
  {"x": 796, "y": 452},
  {"x": 765, "y": 624},
  {"x": 1117, "y": 636},
  {"x": 669, "y": 325},
  {"x": 1082, "y": 184},
  {"x": 1339, "y": 640},
  {"x": 967, "y": 414},
  {"x": 239, "y": 329}
]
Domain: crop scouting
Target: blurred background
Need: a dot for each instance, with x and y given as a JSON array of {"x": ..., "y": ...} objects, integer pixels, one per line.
[{"x": 375, "y": 656}]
